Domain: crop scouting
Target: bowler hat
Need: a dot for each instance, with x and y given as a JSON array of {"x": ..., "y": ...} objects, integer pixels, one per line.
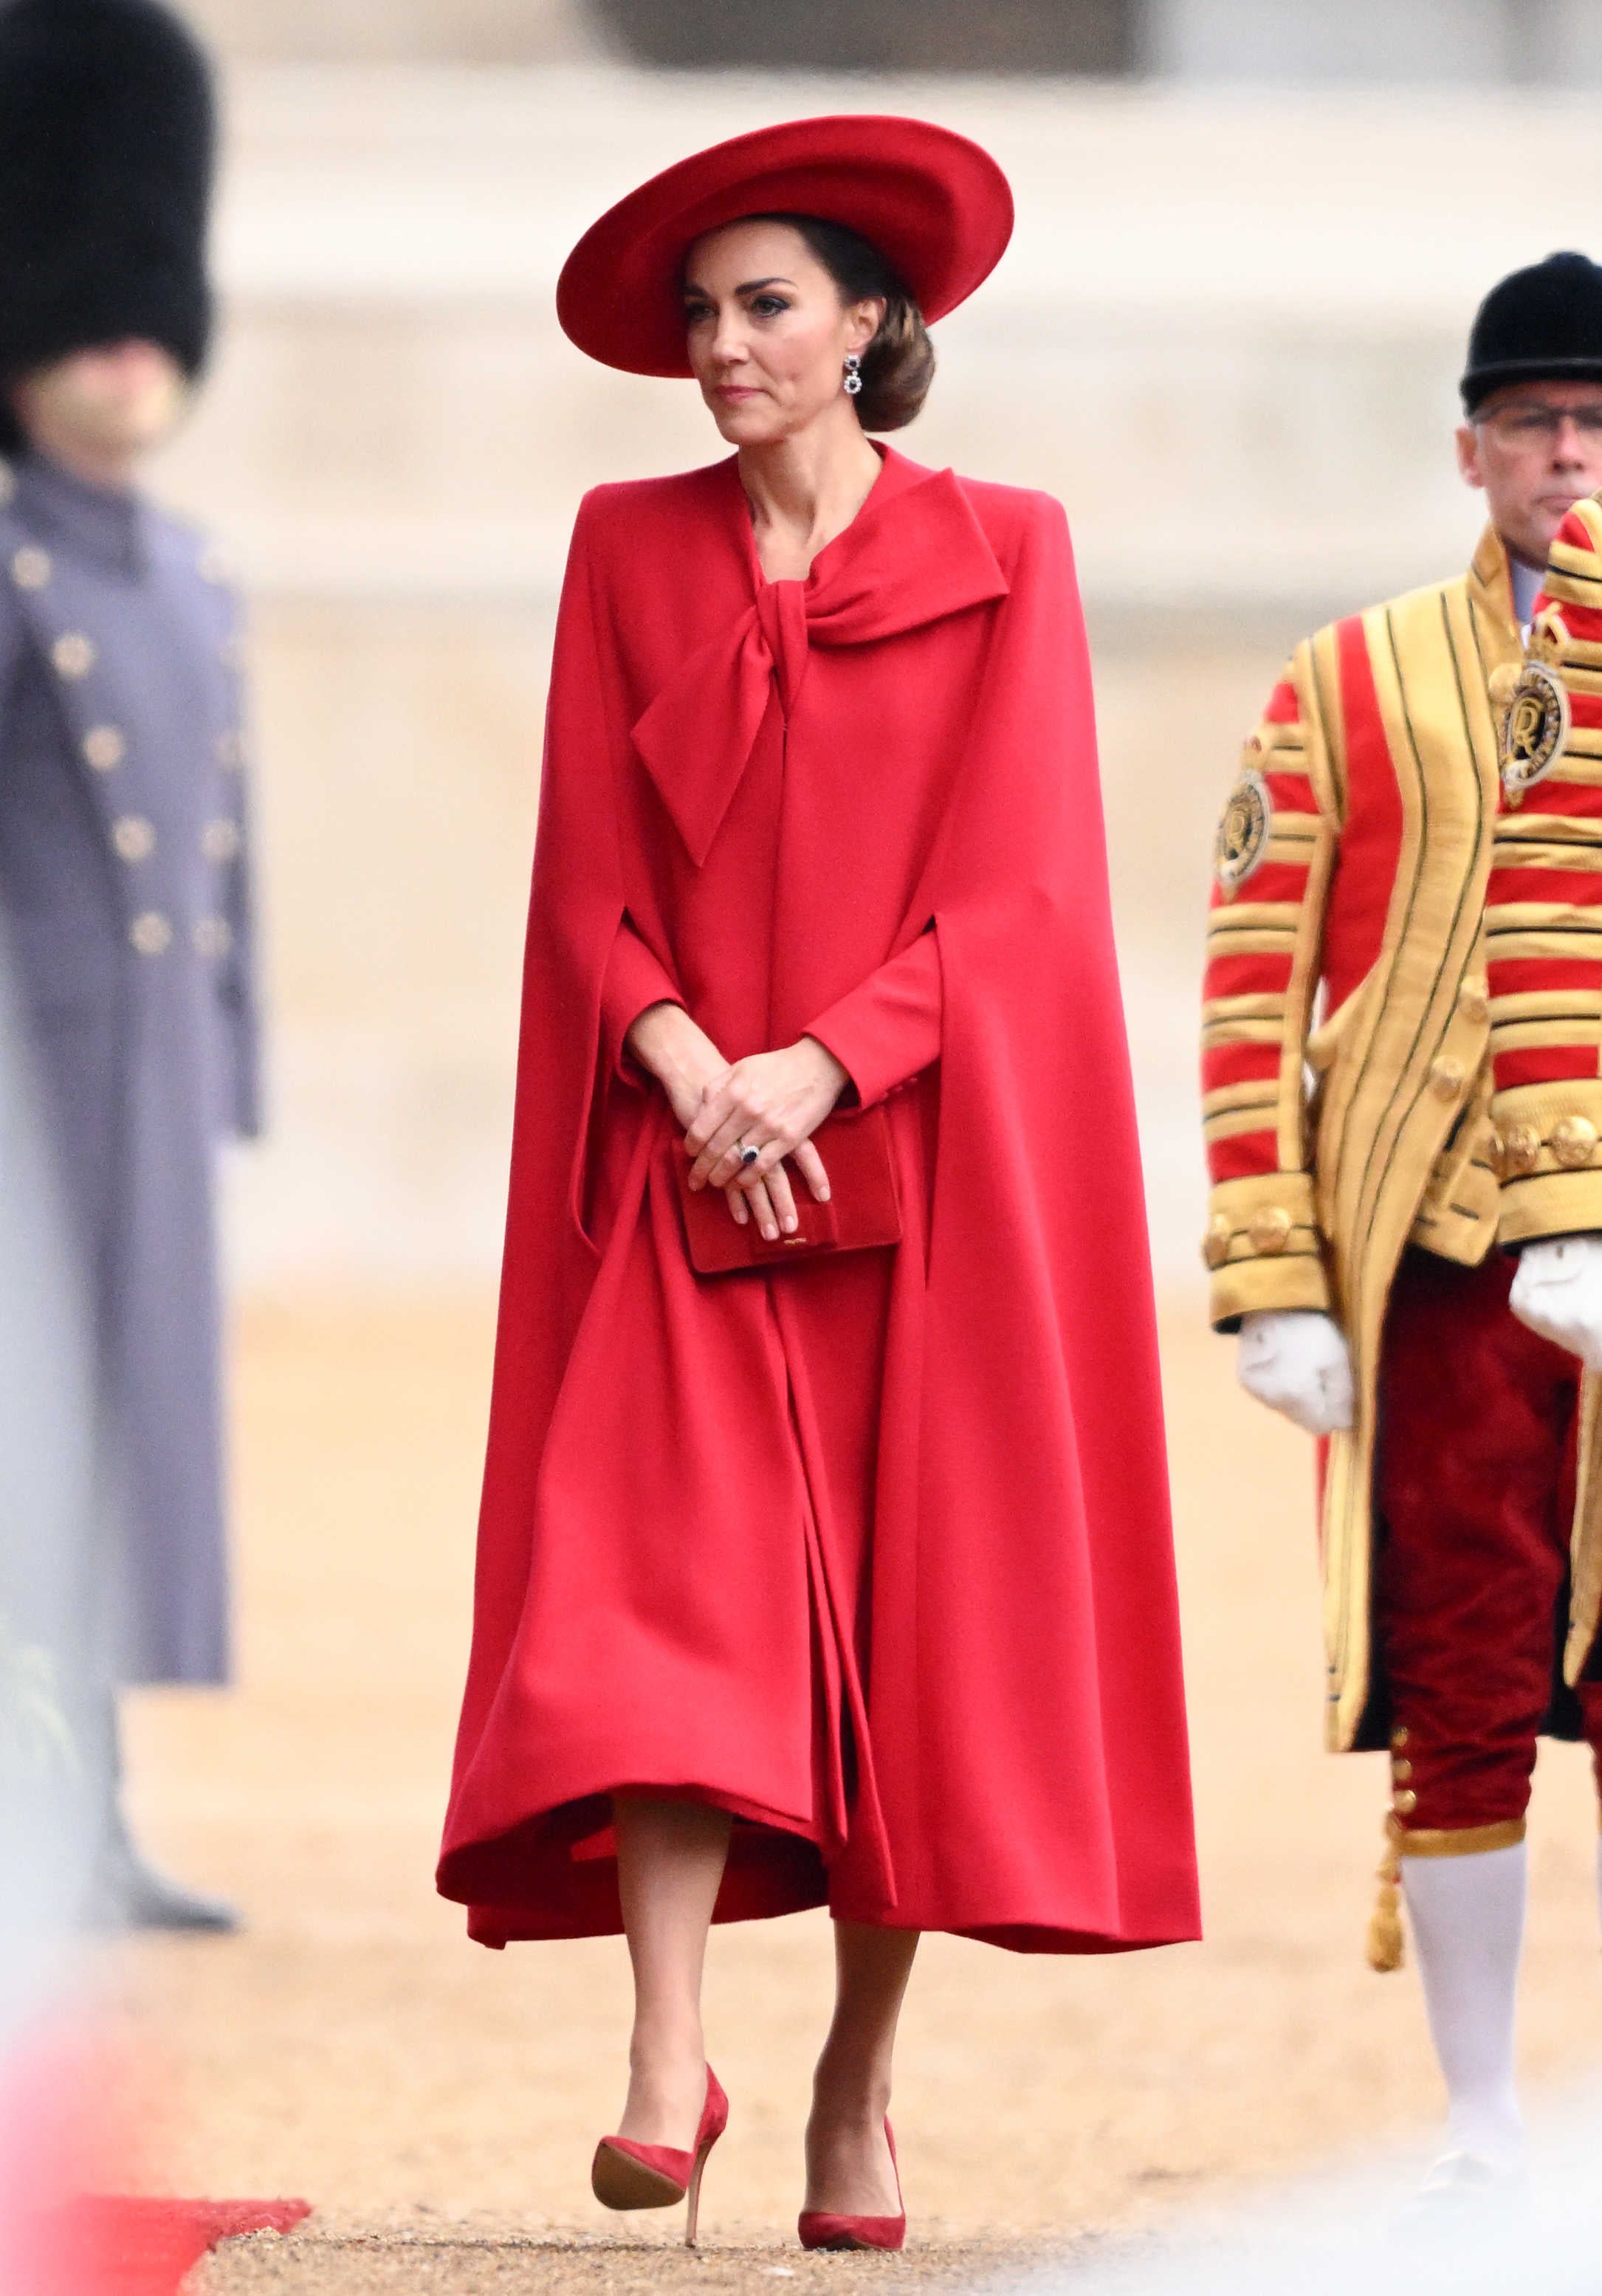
[
  {"x": 935, "y": 206},
  {"x": 1540, "y": 324}
]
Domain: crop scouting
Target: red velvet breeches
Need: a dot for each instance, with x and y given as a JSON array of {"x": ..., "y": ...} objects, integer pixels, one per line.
[{"x": 1475, "y": 1485}]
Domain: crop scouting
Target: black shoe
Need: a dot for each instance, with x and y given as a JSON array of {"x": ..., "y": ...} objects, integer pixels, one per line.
[{"x": 125, "y": 1894}]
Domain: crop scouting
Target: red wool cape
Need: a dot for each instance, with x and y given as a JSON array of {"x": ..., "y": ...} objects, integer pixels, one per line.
[{"x": 873, "y": 1552}]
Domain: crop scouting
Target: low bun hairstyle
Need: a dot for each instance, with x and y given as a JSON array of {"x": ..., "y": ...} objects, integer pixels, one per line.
[{"x": 897, "y": 366}]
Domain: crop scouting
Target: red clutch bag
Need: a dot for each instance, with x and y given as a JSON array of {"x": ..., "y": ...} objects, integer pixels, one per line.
[{"x": 863, "y": 1212}]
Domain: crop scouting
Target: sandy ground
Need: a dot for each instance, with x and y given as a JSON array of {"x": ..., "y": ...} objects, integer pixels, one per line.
[{"x": 439, "y": 2103}]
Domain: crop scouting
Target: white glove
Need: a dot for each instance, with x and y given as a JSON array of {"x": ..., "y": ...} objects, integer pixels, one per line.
[
  {"x": 1295, "y": 1360},
  {"x": 1557, "y": 1292}
]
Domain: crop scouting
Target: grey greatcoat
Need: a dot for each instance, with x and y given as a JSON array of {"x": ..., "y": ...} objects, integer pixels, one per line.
[{"x": 124, "y": 896}]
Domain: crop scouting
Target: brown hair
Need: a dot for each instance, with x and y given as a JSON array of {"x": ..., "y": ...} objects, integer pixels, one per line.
[{"x": 897, "y": 366}]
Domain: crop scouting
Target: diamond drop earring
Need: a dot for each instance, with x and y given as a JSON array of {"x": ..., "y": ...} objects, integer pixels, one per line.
[{"x": 853, "y": 374}]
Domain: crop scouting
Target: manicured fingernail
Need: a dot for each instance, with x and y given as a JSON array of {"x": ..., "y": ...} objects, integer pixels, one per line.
[
  {"x": 772, "y": 1234},
  {"x": 822, "y": 1195},
  {"x": 789, "y": 1224}
]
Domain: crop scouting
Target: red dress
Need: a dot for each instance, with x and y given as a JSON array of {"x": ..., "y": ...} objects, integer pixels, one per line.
[{"x": 873, "y": 1552}]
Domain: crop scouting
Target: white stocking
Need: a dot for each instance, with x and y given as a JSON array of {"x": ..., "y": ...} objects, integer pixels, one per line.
[{"x": 1467, "y": 1916}]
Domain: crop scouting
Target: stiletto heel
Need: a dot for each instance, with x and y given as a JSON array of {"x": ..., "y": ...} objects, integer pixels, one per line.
[
  {"x": 624, "y": 2174},
  {"x": 818, "y": 2228}
]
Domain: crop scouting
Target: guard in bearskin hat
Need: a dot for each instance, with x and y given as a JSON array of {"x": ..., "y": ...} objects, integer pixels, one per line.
[
  {"x": 1407, "y": 916},
  {"x": 123, "y": 878}
]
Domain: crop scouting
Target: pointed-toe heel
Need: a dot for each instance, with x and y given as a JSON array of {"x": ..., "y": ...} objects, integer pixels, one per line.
[
  {"x": 818, "y": 2228},
  {"x": 624, "y": 2174}
]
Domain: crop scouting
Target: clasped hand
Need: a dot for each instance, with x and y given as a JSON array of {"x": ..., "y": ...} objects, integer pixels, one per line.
[{"x": 771, "y": 1101}]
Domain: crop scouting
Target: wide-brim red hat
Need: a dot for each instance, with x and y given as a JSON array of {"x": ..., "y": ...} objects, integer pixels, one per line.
[{"x": 934, "y": 204}]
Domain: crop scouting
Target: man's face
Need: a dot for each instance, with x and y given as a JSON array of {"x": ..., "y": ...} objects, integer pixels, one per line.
[
  {"x": 111, "y": 402},
  {"x": 1536, "y": 448}
]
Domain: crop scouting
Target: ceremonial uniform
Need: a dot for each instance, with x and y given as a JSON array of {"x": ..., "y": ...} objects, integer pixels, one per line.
[
  {"x": 1389, "y": 923},
  {"x": 125, "y": 906},
  {"x": 124, "y": 876}
]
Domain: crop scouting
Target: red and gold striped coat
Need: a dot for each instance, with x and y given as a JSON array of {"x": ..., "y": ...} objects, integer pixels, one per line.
[{"x": 1403, "y": 1009}]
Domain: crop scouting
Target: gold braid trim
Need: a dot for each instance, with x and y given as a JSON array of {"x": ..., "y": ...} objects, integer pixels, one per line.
[
  {"x": 1459, "y": 1841},
  {"x": 1386, "y": 1950}
]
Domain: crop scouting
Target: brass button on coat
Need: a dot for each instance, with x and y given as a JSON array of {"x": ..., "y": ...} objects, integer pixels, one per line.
[
  {"x": 1402, "y": 1770},
  {"x": 1215, "y": 1244},
  {"x": 1446, "y": 1077},
  {"x": 73, "y": 654},
  {"x": 219, "y": 840},
  {"x": 1404, "y": 1803},
  {"x": 31, "y": 569},
  {"x": 1520, "y": 1148},
  {"x": 1269, "y": 1229},
  {"x": 104, "y": 748},
  {"x": 1399, "y": 1737},
  {"x": 1573, "y": 1142},
  {"x": 133, "y": 837},
  {"x": 1473, "y": 1002},
  {"x": 150, "y": 934}
]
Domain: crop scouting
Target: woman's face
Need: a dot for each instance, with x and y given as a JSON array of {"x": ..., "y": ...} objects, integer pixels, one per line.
[{"x": 766, "y": 332}]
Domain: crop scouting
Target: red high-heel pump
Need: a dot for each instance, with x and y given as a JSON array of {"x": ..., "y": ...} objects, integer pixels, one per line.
[
  {"x": 818, "y": 2229},
  {"x": 625, "y": 2175}
]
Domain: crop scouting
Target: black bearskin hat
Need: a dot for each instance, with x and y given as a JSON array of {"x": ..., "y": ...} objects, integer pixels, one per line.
[
  {"x": 1542, "y": 324},
  {"x": 107, "y": 138}
]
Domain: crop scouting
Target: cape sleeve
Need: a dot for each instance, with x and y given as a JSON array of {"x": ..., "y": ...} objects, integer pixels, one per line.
[
  {"x": 549, "y": 1262},
  {"x": 636, "y": 979},
  {"x": 887, "y": 1029},
  {"x": 1040, "y": 1431}
]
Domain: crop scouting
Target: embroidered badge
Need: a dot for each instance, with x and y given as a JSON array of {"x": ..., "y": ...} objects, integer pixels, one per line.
[
  {"x": 1534, "y": 729},
  {"x": 1244, "y": 832}
]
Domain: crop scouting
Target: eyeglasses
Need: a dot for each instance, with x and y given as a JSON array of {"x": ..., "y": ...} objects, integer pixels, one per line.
[{"x": 1529, "y": 425}]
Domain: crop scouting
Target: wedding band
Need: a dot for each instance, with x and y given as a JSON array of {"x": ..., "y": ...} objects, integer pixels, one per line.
[{"x": 748, "y": 1155}]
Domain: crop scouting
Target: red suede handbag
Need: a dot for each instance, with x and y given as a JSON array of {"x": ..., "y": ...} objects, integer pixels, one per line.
[{"x": 863, "y": 1212}]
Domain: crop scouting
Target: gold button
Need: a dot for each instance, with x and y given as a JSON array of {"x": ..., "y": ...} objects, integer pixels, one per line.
[
  {"x": 104, "y": 748},
  {"x": 1215, "y": 1244},
  {"x": 230, "y": 750},
  {"x": 1521, "y": 1151},
  {"x": 1573, "y": 1142},
  {"x": 219, "y": 840},
  {"x": 1405, "y": 1802},
  {"x": 30, "y": 569},
  {"x": 1402, "y": 1770},
  {"x": 1269, "y": 1229},
  {"x": 213, "y": 936},
  {"x": 1473, "y": 1002},
  {"x": 1446, "y": 1077},
  {"x": 1399, "y": 1737},
  {"x": 133, "y": 837},
  {"x": 150, "y": 934},
  {"x": 73, "y": 654}
]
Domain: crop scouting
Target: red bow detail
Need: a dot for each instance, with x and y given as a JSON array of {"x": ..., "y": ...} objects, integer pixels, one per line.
[{"x": 914, "y": 558}]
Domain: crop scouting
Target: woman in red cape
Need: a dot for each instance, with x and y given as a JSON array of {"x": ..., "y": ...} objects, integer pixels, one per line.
[{"x": 847, "y": 1581}]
